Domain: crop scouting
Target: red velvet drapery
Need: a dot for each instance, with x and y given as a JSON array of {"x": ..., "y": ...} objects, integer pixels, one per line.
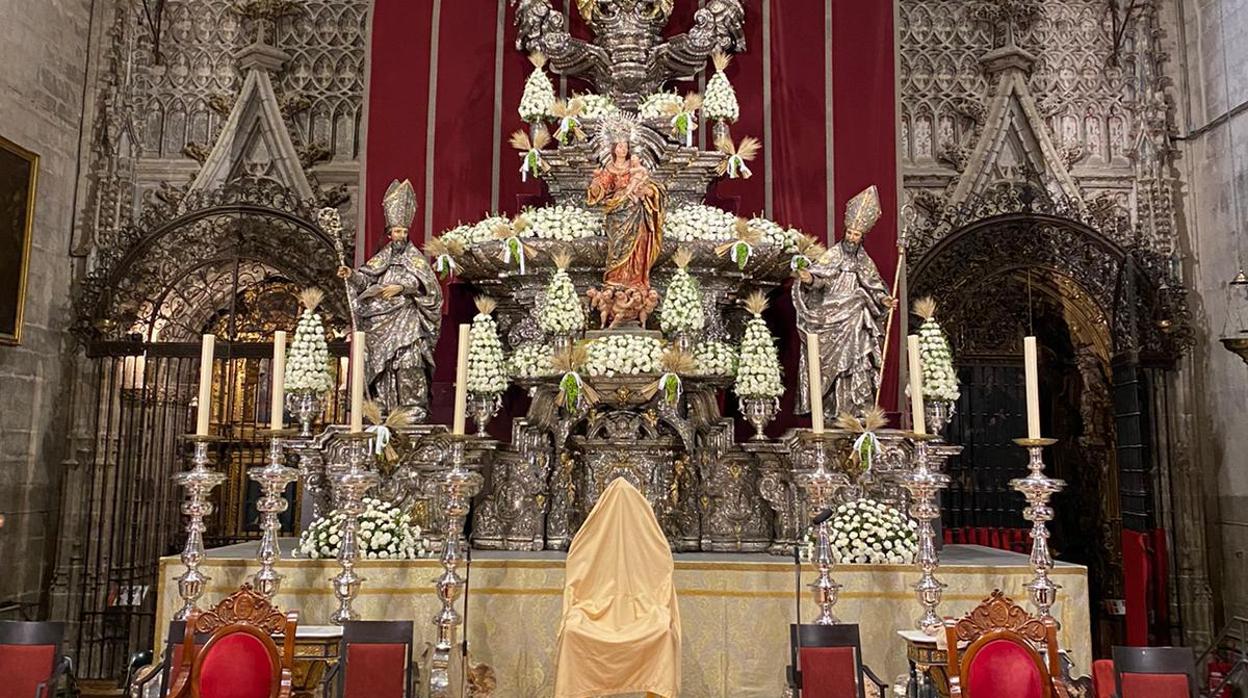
[{"x": 456, "y": 59}]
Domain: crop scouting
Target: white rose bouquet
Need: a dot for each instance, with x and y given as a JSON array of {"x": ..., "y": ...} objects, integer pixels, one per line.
[
  {"x": 758, "y": 373},
  {"x": 486, "y": 367},
  {"x": 562, "y": 222},
  {"x": 867, "y": 532},
  {"x": 597, "y": 106},
  {"x": 940, "y": 381},
  {"x": 698, "y": 222},
  {"x": 657, "y": 104},
  {"x": 715, "y": 359},
  {"x": 539, "y": 92},
  {"x": 385, "y": 532},
  {"x": 561, "y": 313},
  {"x": 721, "y": 99},
  {"x": 307, "y": 366},
  {"x": 623, "y": 354},
  {"x": 682, "y": 311},
  {"x": 531, "y": 360},
  {"x": 467, "y": 235},
  {"x": 777, "y": 235}
]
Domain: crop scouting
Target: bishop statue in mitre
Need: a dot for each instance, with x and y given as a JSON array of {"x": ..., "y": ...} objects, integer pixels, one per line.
[
  {"x": 845, "y": 302},
  {"x": 397, "y": 301}
]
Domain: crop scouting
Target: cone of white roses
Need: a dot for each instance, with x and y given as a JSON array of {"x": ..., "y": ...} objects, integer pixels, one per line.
[
  {"x": 487, "y": 368},
  {"x": 307, "y": 365},
  {"x": 561, "y": 314},
  {"x": 720, "y": 104},
  {"x": 940, "y": 380},
  {"x": 681, "y": 315},
  {"x": 759, "y": 384}
]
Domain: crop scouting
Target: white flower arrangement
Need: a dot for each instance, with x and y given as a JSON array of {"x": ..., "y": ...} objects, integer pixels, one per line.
[
  {"x": 656, "y": 105},
  {"x": 487, "y": 373},
  {"x": 715, "y": 359},
  {"x": 307, "y": 364},
  {"x": 699, "y": 222},
  {"x": 624, "y": 354},
  {"x": 531, "y": 360},
  {"x": 385, "y": 532},
  {"x": 539, "y": 92},
  {"x": 720, "y": 103},
  {"x": 471, "y": 234},
  {"x": 775, "y": 234},
  {"x": 561, "y": 312},
  {"x": 561, "y": 222},
  {"x": 681, "y": 311},
  {"x": 597, "y": 106},
  {"x": 758, "y": 372},
  {"x": 940, "y": 381},
  {"x": 867, "y": 532}
]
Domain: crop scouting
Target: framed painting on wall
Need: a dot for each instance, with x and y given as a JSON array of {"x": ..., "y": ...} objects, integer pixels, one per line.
[{"x": 19, "y": 175}]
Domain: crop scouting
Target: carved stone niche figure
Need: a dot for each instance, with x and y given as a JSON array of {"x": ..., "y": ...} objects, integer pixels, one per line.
[
  {"x": 843, "y": 299},
  {"x": 397, "y": 302}
]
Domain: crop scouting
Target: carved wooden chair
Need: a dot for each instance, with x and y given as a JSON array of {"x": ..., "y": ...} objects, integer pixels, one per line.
[
  {"x": 239, "y": 658},
  {"x": 999, "y": 649}
]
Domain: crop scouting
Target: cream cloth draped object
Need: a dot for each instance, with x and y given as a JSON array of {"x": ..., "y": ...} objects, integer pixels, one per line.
[{"x": 620, "y": 631}]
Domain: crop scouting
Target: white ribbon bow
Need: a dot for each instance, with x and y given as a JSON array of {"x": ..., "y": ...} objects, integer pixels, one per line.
[
  {"x": 445, "y": 263},
  {"x": 867, "y": 436},
  {"x": 749, "y": 252},
  {"x": 565, "y": 127},
  {"x": 738, "y": 168},
  {"x": 535, "y": 156},
  {"x": 519, "y": 252},
  {"x": 381, "y": 437},
  {"x": 690, "y": 125}
]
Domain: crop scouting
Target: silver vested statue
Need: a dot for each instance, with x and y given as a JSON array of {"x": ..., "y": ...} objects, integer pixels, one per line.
[
  {"x": 844, "y": 300},
  {"x": 398, "y": 305}
]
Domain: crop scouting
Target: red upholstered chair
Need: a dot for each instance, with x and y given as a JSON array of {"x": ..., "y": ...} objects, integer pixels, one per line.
[
  {"x": 375, "y": 660},
  {"x": 1155, "y": 672},
  {"x": 830, "y": 662},
  {"x": 30, "y": 658},
  {"x": 998, "y": 649},
  {"x": 239, "y": 659},
  {"x": 1103, "y": 681}
]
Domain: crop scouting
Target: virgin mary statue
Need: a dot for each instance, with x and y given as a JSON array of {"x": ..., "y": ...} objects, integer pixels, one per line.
[{"x": 634, "y": 207}]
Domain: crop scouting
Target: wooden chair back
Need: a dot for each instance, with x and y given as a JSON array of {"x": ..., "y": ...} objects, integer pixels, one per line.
[{"x": 1000, "y": 649}]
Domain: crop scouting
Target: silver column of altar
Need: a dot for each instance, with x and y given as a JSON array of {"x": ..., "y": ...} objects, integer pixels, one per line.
[
  {"x": 273, "y": 479},
  {"x": 458, "y": 486},
  {"x": 820, "y": 487},
  {"x": 924, "y": 484},
  {"x": 1037, "y": 488},
  {"x": 199, "y": 481},
  {"x": 349, "y": 488}
]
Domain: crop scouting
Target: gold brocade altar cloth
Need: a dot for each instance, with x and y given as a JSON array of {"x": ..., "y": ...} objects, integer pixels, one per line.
[{"x": 735, "y": 609}]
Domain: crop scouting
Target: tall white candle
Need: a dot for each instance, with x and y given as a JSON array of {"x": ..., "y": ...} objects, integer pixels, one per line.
[
  {"x": 205, "y": 385},
  {"x": 461, "y": 382},
  {"x": 277, "y": 399},
  {"x": 1032, "y": 371},
  {"x": 357, "y": 382},
  {"x": 814, "y": 374},
  {"x": 916, "y": 384}
]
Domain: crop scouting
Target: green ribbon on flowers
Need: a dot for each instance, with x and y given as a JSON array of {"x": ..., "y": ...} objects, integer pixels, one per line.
[
  {"x": 799, "y": 262},
  {"x": 867, "y": 445},
  {"x": 737, "y": 168},
  {"x": 512, "y": 247},
  {"x": 445, "y": 265},
  {"x": 567, "y": 126},
  {"x": 571, "y": 387},
  {"x": 684, "y": 125},
  {"x": 672, "y": 387},
  {"x": 532, "y": 163},
  {"x": 741, "y": 253}
]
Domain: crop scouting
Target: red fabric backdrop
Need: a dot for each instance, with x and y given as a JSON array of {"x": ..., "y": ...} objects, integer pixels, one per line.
[{"x": 453, "y": 46}]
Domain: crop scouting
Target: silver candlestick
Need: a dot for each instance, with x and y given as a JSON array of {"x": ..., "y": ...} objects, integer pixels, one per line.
[
  {"x": 459, "y": 485},
  {"x": 1037, "y": 488},
  {"x": 924, "y": 484},
  {"x": 349, "y": 488},
  {"x": 199, "y": 482},
  {"x": 273, "y": 479},
  {"x": 821, "y": 487}
]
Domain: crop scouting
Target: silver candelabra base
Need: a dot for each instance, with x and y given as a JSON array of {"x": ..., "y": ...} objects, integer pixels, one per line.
[
  {"x": 273, "y": 479},
  {"x": 759, "y": 411},
  {"x": 198, "y": 482},
  {"x": 1038, "y": 488},
  {"x": 924, "y": 484},
  {"x": 820, "y": 487},
  {"x": 350, "y": 485}
]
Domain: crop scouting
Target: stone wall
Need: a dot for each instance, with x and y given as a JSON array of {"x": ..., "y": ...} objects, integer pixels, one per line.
[
  {"x": 1216, "y": 235},
  {"x": 42, "y": 48}
]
